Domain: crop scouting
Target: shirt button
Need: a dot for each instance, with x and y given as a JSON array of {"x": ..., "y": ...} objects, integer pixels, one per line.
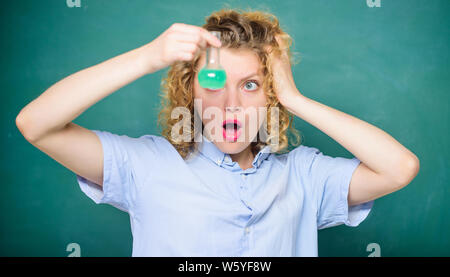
[
  {"x": 219, "y": 162},
  {"x": 244, "y": 176},
  {"x": 247, "y": 230}
]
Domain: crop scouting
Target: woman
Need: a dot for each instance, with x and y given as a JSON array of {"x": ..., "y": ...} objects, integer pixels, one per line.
[{"x": 205, "y": 196}]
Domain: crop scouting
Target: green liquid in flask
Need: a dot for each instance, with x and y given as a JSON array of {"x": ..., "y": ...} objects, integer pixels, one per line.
[
  {"x": 212, "y": 75},
  {"x": 212, "y": 78}
]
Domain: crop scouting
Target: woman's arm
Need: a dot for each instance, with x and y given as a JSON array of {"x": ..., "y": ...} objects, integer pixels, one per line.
[
  {"x": 46, "y": 121},
  {"x": 71, "y": 96},
  {"x": 68, "y": 98},
  {"x": 386, "y": 165}
]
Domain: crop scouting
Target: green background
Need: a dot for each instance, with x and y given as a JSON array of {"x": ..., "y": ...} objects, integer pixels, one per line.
[{"x": 388, "y": 66}]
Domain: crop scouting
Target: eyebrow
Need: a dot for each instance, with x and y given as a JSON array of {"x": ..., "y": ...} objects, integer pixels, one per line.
[{"x": 251, "y": 75}]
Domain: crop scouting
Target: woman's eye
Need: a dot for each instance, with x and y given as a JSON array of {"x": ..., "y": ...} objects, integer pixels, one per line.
[{"x": 250, "y": 87}]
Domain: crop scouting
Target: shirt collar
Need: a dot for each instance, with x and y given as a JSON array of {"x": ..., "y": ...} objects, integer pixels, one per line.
[{"x": 212, "y": 152}]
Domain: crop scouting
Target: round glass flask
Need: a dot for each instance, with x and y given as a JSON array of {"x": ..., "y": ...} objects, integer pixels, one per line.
[{"x": 212, "y": 75}]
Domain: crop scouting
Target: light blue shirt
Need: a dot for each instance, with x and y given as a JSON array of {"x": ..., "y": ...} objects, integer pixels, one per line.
[{"x": 208, "y": 206}]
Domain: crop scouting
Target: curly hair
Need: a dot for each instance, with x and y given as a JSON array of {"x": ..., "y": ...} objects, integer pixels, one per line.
[{"x": 240, "y": 29}]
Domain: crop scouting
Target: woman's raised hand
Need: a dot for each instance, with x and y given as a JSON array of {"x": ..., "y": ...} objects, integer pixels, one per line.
[{"x": 180, "y": 42}]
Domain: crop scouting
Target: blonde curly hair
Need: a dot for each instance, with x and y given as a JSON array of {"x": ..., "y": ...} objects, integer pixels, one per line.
[{"x": 245, "y": 29}]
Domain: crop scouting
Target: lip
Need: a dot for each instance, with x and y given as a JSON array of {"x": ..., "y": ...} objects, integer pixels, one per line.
[
  {"x": 237, "y": 133},
  {"x": 235, "y": 121}
]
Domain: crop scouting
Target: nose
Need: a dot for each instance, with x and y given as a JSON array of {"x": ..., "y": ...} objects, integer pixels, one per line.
[
  {"x": 236, "y": 109},
  {"x": 232, "y": 102}
]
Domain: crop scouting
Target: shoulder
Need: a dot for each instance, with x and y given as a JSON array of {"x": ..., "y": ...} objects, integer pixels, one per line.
[
  {"x": 155, "y": 140},
  {"x": 299, "y": 154},
  {"x": 137, "y": 145},
  {"x": 303, "y": 150},
  {"x": 155, "y": 143}
]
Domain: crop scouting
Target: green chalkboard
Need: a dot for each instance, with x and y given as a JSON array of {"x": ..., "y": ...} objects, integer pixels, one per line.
[{"x": 387, "y": 65}]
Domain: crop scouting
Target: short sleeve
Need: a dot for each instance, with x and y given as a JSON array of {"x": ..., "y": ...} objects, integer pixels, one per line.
[
  {"x": 118, "y": 182},
  {"x": 329, "y": 179}
]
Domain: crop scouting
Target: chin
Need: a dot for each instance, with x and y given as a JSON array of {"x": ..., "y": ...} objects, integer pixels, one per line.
[{"x": 232, "y": 147}]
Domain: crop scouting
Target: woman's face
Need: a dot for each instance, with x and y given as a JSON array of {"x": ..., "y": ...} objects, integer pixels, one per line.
[{"x": 242, "y": 99}]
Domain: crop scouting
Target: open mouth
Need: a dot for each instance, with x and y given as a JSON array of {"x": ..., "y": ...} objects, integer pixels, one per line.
[{"x": 231, "y": 129}]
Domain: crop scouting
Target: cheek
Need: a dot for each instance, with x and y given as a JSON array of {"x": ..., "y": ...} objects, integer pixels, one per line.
[
  {"x": 259, "y": 99},
  {"x": 259, "y": 104},
  {"x": 263, "y": 99},
  {"x": 209, "y": 110},
  {"x": 255, "y": 117}
]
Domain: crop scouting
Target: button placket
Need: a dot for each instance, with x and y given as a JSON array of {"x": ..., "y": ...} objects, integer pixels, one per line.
[
  {"x": 244, "y": 183},
  {"x": 243, "y": 188}
]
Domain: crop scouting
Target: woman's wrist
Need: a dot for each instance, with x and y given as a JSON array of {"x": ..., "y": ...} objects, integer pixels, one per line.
[{"x": 148, "y": 58}]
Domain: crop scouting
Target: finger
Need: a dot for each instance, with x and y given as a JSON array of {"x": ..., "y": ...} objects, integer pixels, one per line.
[
  {"x": 210, "y": 38},
  {"x": 185, "y": 56},
  {"x": 188, "y": 47},
  {"x": 193, "y": 39},
  {"x": 192, "y": 29}
]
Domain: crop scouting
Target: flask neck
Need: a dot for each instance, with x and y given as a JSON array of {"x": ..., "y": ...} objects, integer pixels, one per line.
[{"x": 212, "y": 57}]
